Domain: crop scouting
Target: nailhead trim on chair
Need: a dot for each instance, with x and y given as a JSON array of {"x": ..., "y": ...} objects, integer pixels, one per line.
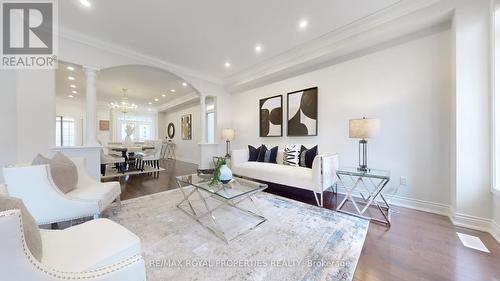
[{"x": 60, "y": 274}]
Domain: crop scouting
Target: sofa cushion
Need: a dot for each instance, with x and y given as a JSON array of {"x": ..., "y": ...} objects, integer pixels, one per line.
[
  {"x": 92, "y": 245},
  {"x": 253, "y": 153},
  {"x": 282, "y": 174},
  {"x": 63, "y": 171},
  {"x": 30, "y": 228},
  {"x": 105, "y": 193},
  {"x": 306, "y": 157},
  {"x": 291, "y": 155}
]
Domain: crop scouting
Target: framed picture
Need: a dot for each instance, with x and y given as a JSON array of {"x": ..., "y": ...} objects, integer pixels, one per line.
[
  {"x": 186, "y": 127},
  {"x": 103, "y": 125},
  {"x": 302, "y": 113},
  {"x": 271, "y": 116}
]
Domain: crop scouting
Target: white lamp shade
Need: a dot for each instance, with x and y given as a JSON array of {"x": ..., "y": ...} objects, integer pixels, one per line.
[
  {"x": 228, "y": 134},
  {"x": 364, "y": 128}
]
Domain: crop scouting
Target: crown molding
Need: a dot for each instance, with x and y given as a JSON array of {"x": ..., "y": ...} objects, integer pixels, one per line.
[
  {"x": 182, "y": 101},
  {"x": 101, "y": 44},
  {"x": 336, "y": 43}
]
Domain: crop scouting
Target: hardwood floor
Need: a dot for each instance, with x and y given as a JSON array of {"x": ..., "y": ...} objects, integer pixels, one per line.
[{"x": 418, "y": 246}]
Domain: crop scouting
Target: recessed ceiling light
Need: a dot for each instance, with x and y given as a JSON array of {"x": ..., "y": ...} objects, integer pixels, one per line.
[
  {"x": 172, "y": 90},
  {"x": 163, "y": 95},
  {"x": 303, "y": 24},
  {"x": 85, "y": 3},
  {"x": 150, "y": 103},
  {"x": 70, "y": 96},
  {"x": 72, "y": 86},
  {"x": 74, "y": 92},
  {"x": 258, "y": 48},
  {"x": 70, "y": 68},
  {"x": 184, "y": 84},
  {"x": 156, "y": 99},
  {"x": 71, "y": 78},
  {"x": 227, "y": 64}
]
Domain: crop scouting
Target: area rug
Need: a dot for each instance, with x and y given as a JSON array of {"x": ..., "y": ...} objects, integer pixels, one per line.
[
  {"x": 111, "y": 172},
  {"x": 297, "y": 242}
]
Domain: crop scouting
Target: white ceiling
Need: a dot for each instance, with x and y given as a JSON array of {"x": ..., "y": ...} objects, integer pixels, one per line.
[
  {"x": 202, "y": 35},
  {"x": 144, "y": 84}
]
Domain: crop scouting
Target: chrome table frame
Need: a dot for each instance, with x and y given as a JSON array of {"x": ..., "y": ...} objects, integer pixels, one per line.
[
  {"x": 187, "y": 207},
  {"x": 377, "y": 184}
]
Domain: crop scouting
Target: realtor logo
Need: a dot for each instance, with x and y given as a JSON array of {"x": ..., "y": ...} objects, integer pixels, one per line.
[{"x": 28, "y": 34}]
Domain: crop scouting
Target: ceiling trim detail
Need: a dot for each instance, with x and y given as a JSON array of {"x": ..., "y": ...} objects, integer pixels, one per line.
[
  {"x": 75, "y": 36},
  {"x": 323, "y": 45}
]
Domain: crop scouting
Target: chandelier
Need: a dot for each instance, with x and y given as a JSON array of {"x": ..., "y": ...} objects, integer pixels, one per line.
[{"x": 123, "y": 105}]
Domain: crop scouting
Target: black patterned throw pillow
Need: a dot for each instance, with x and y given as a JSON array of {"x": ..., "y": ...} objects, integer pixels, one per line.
[{"x": 291, "y": 155}]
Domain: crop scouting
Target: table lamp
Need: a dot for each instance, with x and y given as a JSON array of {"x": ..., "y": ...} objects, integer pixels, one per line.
[
  {"x": 363, "y": 129},
  {"x": 228, "y": 135}
]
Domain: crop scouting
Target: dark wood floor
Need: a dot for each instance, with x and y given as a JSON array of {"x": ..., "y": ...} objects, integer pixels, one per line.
[{"x": 418, "y": 246}]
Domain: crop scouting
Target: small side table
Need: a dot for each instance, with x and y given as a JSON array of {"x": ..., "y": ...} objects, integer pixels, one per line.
[{"x": 369, "y": 184}]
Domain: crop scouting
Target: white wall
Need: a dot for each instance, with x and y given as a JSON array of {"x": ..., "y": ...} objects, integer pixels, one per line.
[
  {"x": 186, "y": 150},
  {"x": 472, "y": 166},
  {"x": 8, "y": 119},
  {"x": 35, "y": 113},
  {"x": 410, "y": 93}
]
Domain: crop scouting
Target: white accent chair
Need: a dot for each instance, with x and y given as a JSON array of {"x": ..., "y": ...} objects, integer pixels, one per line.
[
  {"x": 321, "y": 177},
  {"x": 34, "y": 185},
  {"x": 98, "y": 250}
]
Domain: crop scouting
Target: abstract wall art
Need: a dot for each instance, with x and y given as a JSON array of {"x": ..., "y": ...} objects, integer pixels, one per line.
[
  {"x": 186, "y": 127},
  {"x": 302, "y": 113},
  {"x": 271, "y": 116}
]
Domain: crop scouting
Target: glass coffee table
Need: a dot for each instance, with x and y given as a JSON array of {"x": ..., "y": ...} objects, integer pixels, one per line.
[{"x": 201, "y": 200}]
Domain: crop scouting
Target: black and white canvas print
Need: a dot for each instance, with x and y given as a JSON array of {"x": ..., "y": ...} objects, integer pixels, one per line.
[
  {"x": 271, "y": 116},
  {"x": 302, "y": 114}
]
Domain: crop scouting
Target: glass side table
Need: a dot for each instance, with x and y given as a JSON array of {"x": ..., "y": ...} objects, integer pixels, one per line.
[{"x": 369, "y": 184}]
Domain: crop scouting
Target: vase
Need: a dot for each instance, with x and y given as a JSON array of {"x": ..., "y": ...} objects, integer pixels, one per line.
[
  {"x": 128, "y": 141},
  {"x": 225, "y": 174}
]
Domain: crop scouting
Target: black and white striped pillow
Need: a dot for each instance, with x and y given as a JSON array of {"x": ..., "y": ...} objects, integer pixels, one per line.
[{"x": 291, "y": 155}]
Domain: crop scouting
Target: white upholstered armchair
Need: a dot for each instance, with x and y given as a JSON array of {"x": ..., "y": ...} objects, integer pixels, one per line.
[
  {"x": 34, "y": 185},
  {"x": 98, "y": 250}
]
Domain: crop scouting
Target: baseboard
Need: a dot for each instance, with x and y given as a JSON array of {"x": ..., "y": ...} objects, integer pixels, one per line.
[
  {"x": 457, "y": 219},
  {"x": 495, "y": 230},
  {"x": 420, "y": 205},
  {"x": 415, "y": 204},
  {"x": 471, "y": 222}
]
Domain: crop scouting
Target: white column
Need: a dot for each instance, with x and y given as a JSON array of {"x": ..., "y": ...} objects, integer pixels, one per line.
[
  {"x": 90, "y": 107},
  {"x": 203, "y": 119}
]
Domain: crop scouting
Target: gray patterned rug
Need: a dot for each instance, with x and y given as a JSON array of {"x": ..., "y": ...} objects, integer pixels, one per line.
[{"x": 297, "y": 242}]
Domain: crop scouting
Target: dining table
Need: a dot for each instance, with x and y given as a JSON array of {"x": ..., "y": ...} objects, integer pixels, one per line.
[{"x": 129, "y": 152}]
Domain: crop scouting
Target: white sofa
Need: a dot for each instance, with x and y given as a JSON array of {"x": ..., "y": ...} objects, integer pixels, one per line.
[
  {"x": 318, "y": 179},
  {"x": 47, "y": 204},
  {"x": 96, "y": 250}
]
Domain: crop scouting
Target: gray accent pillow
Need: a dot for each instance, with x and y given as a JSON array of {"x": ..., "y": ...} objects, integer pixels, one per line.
[
  {"x": 62, "y": 169},
  {"x": 30, "y": 228}
]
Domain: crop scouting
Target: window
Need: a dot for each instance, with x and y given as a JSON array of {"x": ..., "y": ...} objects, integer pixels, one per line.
[
  {"x": 210, "y": 111},
  {"x": 143, "y": 125},
  {"x": 65, "y": 131}
]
